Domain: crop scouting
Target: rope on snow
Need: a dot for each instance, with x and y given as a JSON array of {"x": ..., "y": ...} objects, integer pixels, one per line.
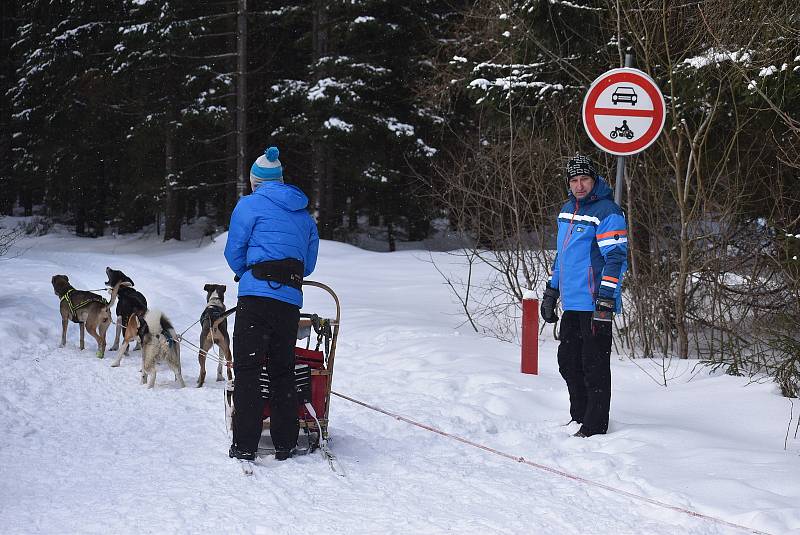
[{"x": 555, "y": 471}]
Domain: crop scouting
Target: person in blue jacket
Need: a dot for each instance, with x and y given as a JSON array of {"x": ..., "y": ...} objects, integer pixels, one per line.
[
  {"x": 591, "y": 259},
  {"x": 272, "y": 244}
]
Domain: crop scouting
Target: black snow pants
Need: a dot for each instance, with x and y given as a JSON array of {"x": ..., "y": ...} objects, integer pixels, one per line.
[
  {"x": 264, "y": 334},
  {"x": 584, "y": 360}
]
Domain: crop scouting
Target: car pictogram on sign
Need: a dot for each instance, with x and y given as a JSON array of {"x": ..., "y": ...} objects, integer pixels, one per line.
[{"x": 624, "y": 94}]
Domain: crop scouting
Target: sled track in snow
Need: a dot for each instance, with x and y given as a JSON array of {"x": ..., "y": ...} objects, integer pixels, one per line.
[{"x": 555, "y": 471}]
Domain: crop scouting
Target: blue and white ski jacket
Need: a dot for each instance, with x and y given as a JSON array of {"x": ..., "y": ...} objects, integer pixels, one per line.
[
  {"x": 592, "y": 251},
  {"x": 271, "y": 224}
]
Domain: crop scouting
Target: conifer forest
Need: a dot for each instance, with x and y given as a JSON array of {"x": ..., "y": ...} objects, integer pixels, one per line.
[{"x": 417, "y": 118}]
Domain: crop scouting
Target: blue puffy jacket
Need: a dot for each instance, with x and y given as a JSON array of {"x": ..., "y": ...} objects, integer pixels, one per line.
[
  {"x": 271, "y": 224},
  {"x": 592, "y": 249}
]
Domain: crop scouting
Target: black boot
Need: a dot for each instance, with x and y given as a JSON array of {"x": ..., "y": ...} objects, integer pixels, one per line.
[
  {"x": 583, "y": 433},
  {"x": 282, "y": 455},
  {"x": 235, "y": 452}
]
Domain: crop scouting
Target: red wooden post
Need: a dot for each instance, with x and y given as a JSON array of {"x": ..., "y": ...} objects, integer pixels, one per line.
[{"x": 530, "y": 336}]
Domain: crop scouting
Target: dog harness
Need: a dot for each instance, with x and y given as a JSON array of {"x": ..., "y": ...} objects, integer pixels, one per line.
[
  {"x": 168, "y": 336},
  {"x": 144, "y": 329},
  {"x": 211, "y": 313},
  {"x": 74, "y": 308}
]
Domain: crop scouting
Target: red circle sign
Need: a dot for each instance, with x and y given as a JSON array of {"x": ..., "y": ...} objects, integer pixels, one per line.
[{"x": 623, "y": 111}]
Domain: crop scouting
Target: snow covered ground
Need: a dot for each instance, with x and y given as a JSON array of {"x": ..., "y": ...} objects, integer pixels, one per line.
[{"x": 84, "y": 448}]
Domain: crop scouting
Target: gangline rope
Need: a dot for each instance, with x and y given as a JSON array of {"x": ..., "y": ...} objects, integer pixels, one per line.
[
  {"x": 555, "y": 471},
  {"x": 521, "y": 459}
]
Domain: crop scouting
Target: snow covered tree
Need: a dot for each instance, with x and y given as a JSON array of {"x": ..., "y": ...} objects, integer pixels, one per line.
[
  {"x": 332, "y": 83},
  {"x": 342, "y": 95},
  {"x": 178, "y": 96},
  {"x": 59, "y": 115},
  {"x": 101, "y": 106},
  {"x": 8, "y": 25},
  {"x": 383, "y": 53}
]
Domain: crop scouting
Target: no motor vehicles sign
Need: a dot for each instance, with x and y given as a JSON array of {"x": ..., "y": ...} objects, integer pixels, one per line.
[{"x": 623, "y": 111}]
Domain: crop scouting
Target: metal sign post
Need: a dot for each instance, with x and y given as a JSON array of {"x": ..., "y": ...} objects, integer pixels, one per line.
[{"x": 618, "y": 183}]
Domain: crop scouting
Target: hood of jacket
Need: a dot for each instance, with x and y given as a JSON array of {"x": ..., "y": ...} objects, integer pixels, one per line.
[
  {"x": 599, "y": 191},
  {"x": 286, "y": 196}
]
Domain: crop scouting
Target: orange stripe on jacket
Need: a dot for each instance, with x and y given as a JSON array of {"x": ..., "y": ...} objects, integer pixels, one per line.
[
  {"x": 610, "y": 279},
  {"x": 612, "y": 233}
]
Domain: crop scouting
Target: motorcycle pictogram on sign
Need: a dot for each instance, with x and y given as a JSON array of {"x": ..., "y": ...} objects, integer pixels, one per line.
[{"x": 622, "y": 131}]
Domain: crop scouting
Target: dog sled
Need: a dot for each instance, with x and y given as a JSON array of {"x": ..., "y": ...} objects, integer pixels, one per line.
[{"x": 315, "y": 353}]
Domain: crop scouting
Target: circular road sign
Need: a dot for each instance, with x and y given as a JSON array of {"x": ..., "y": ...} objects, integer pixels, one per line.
[{"x": 623, "y": 111}]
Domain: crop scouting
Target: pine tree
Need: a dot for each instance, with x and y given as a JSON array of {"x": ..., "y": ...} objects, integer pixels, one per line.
[
  {"x": 8, "y": 23},
  {"x": 379, "y": 48},
  {"x": 280, "y": 52},
  {"x": 177, "y": 101},
  {"x": 59, "y": 108},
  {"x": 355, "y": 108}
]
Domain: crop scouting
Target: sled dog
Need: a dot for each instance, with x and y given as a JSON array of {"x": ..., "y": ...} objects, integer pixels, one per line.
[
  {"x": 130, "y": 302},
  {"x": 214, "y": 330},
  {"x": 159, "y": 344},
  {"x": 87, "y": 309}
]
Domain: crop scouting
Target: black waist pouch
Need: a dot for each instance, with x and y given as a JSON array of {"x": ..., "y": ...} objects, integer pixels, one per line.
[{"x": 288, "y": 271}]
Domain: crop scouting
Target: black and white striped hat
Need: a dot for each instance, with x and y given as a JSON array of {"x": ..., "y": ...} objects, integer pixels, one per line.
[{"x": 580, "y": 165}]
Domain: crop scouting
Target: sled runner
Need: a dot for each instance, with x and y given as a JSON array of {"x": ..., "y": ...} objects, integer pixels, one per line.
[{"x": 313, "y": 379}]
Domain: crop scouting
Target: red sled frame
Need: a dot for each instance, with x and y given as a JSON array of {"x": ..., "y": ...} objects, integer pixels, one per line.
[{"x": 321, "y": 360}]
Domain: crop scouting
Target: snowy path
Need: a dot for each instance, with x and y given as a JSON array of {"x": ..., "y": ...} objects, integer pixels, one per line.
[{"x": 86, "y": 449}]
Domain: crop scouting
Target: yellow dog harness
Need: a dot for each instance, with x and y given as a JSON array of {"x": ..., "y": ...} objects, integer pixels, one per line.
[{"x": 74, "y": 308}]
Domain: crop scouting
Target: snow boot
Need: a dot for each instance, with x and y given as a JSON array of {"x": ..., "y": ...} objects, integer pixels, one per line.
[
  {"x": 236, "y": 453},
  {"x": 282, "y": 455}
]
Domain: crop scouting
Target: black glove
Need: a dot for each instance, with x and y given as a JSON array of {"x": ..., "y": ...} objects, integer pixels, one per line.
[
  {"x": 604, "y": 310},
  {"x": 548, "y": 306},
  {"x": 236, "y": 278}
]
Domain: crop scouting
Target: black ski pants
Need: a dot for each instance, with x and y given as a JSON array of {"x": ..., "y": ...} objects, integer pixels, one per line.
[
  {"x": 264, "y": 334},
  {"x": 584, "y": 360}
]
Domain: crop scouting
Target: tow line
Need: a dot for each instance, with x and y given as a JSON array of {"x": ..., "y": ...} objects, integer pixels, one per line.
[{"x": 561, "y": 473}]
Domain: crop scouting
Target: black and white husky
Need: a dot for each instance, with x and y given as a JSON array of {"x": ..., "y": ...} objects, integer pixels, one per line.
[
  {"x": 160, "y": 343},
  {"x": 130, "y": 302}
]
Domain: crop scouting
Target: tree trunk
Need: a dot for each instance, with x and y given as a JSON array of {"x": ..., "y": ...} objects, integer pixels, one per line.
[
  {"x": 225, "y": 197},
  {"x": 390, "y": 236},
  {"x": 172, "y": 217},
  {"x": 683, "y": 261},
  {"x": 321, "y": 198},
  {"x": 241, "y": 102},
  {"x": 352, "y": 215},
  {"x": 320, "y": 194},
  {"x": 80, "y": 221},
  {"x": 638, "y": 234},
  {"x": 26, "y": 198},
  {"x": 680, "y": 302}
]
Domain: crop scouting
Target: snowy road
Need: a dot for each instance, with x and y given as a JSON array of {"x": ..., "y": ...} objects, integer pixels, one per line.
[{"x": 86, "y": 449}]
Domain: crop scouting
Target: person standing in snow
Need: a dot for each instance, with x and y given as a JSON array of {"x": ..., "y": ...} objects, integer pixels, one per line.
[
  {"x": 272, "y": 244},
  {"x": 591, "y": 259}
]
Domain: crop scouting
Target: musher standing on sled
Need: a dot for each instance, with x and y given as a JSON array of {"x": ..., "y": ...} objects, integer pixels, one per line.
[
  {"x": 272, "y": 244},
  {"x": 590, "y": 261}
]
